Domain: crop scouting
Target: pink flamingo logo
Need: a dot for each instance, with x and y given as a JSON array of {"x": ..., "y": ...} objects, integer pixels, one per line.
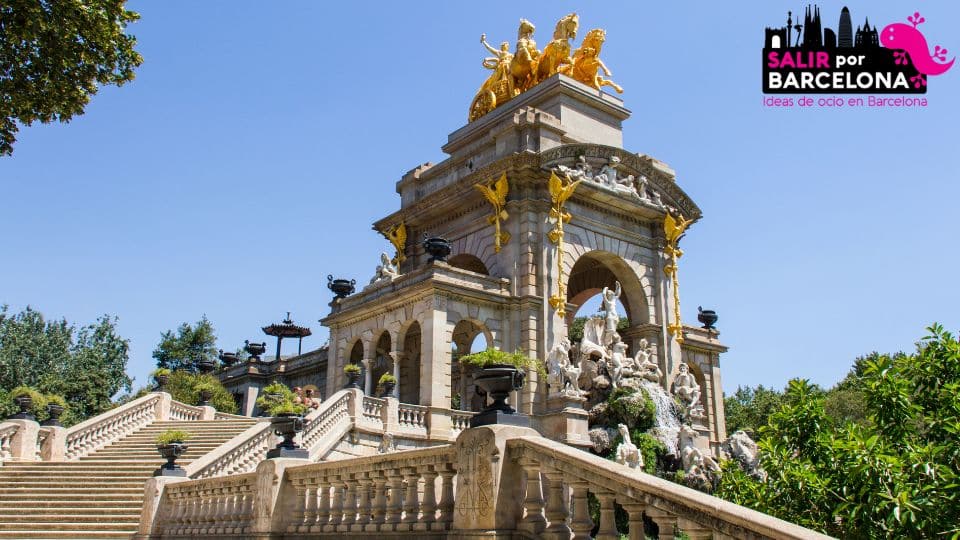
[{"x": 911, "y": 42}]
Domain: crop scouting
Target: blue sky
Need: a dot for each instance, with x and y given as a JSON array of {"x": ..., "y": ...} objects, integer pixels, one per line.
[{"x": 260, "y": 140}]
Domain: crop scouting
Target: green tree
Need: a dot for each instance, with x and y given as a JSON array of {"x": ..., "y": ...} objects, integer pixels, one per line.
[
  {"x": 750, "y": 408},
  {"x": 55, "y": 55},
  {"x": 183, "y": 350},
  {"x": 182, "y": 387},
  {"x": 87, "y": 366},
  {"x": 895, "y": 476}
]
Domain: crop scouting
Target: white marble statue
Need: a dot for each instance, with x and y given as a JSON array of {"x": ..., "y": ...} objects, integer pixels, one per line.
[
  {"x": 580, "y": 171},
  {"x": 386, "y": 271},
  {"x": 645, "y": 367},
  {"x": 642, "y": 184},
  {"x": 687, "y": 391},
  {"x": 740, "y": 448},
  {"x": 610, "y": 177},
  {"x": 562, "y": 376},
  {"x": 386, "y": 444},
  {"x": 627, "y": 453},
  {"x": 617, "y": 360},
  {"x": 611, "y": 319},
  {"x": 699, "y": 468}
]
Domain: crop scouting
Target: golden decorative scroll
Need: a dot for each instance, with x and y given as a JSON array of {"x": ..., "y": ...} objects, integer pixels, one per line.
[
  {"x": 496, "y": 193},
  {"x": 673, "y": 229},
  {"x": 560, "y": 191},
  {"x": 397, "y": 235}
]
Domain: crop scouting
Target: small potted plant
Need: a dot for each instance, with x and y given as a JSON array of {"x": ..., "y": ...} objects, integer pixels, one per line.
[
  {"x": 161, "y": 376},
  {"x": 171, "y": 446},
  {"x": 352, "y": 371},
  {"x": 387, "y": 382},
  {"x": 28, "y": 400},
  {"x": 500, "y": 373},
  {"x": 205, "y": 390},
  {"x": 55, "y": 407},
  {"x": 283, "y": 405}
]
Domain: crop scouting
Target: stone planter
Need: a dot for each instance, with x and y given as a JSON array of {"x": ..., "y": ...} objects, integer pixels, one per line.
[
  {"x": 388, "y": 389},
  {"x": 54, "y": 411},
  {"x": 254, "y": 350},
  {"x": 229, "y": 358},
  {"x": 498, "y": 380},
  {"x": 353, "y": 380},
  {"x": 708, "y": 317},
  {"x": 342, "y": 288},
  {"x": 161, "y": 381},
  {"x": 437, "y": 247},
  {"x": 171, "y": 452},
  {"x": 206, "y": 365},
  {"x": 25, "y": 403},
  {"x": 287, "y": 426},
  {"x": 205, "y": 396}
]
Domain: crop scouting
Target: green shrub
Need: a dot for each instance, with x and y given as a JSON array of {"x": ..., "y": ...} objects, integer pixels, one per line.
[
  {"x": 183, "y": 387},
  {"x": 276, "y": 399},
  {"x": 171, "y": 436},
  {"x": 160, "y": 371},
  {"x": 387, "y": 378},
  {"x": 634, "y": 409},
  {"x": 39, "y": 402},
  {"x": 351, "y": 369},
  {"x": 495, "y": 356}
]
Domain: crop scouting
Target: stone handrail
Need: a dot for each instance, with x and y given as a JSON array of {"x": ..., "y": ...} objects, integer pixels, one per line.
[
  {"x": 372, "y": 412},
  {"x": 669, "y": 505},
  {"x": 112, "y": 425},
  {"x": 460, "y": 420},
  {"x": 326, "y": 426},
  {"x": 240, "y": 454},
  {"x": 227, "y": 416},
  {"x": 500, "y": 480},
  {"x": 185, "y": 413},
  {"x": 412, "y": 419},
  {"x": 8, "y": 431},
  {"x": 42, "y": 435}
]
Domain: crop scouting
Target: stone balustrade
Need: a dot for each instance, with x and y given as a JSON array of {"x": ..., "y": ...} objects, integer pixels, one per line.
[
  {"x": 326, "y": 426},
  {"x": 239, "y": 455},
  {"x": 373, "y": 411},
  {"x": 188, "y": 413},
  {"x": 460, "y": 420},
  {"x": 114, "y": 424},
  {"x": 497, "y": 481},
  {"x": 8, "y": 430},
  {"x": 413, "y": 419}
]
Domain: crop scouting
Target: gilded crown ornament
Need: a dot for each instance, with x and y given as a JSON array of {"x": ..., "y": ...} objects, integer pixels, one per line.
[{"x": 516, "y": 72}]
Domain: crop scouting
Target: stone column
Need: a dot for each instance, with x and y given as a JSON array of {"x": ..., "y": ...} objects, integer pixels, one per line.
[
  {"x": 635, "y": 512},
  {"x": 367, "y": 377},
  {"x": 250, "y": 394},
  {"x": 397, "y": 356},
  {"x": 435, "y": 360},
  {"x": 581, "y": 523}
]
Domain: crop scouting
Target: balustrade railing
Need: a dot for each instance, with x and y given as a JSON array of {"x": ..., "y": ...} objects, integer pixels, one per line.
[
  {"x": 413, "y": 418},
  {"x": 460, "y": 420},
  {"x": 106, "y": 428},
  {"x": 185, "y": 413},
  {"x": 213, "y": 506},
  {"x": 239, "y": 455},
  {"x": 7, "y": 433},
  {"x": 373, "y": 411},
  {"x": 402, "y": 491},
  {"x": 325, "y": 427}
]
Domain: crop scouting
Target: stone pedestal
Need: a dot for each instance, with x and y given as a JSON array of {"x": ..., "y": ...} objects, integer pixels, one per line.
[
  {"x": 23, "y": 447},
  {"x": 566, "y": 420}
]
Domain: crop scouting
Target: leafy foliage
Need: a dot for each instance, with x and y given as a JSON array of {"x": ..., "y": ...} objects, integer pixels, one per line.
[
  {"x": 387, "y": 378},
  {"x": 185, "y": 387},
  {"x": 352, "y": 368},
  {"x": 750, "y": 408},
  {"x": 184, "y": 350},
  {"x": 632, "y": 408},
  {"x": 55, "y": 55},
  {"x": 171, "y": 436},
  {"x": 86, "y": 366},
  {"x": 276, "y": 399},
  {"x": 893, "y": 476},
  {"x": 516, "y": 359}
]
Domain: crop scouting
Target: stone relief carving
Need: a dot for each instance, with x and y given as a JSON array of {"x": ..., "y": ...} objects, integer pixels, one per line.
[
  {"x": 611, "y": 178},
  {"x": 627, "y": 453},
  {"x": 385, "y": 272},
  {"x": 387, "y": 444},
  {"x": 475, "y": 456}
]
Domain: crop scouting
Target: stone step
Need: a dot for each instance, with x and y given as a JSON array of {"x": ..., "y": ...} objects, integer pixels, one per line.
[
  {"x": 74, "y": 482},
  {"x": 44, "y": 535},
  {"x": 41, "y": 506},
  {"x": 99, "y": 472},
  {"x": 68, "y": 526},
  {"x": 6, "y": 500},
  {"x": 113, "y": 517},
  {"x": 6, "y": 492}
]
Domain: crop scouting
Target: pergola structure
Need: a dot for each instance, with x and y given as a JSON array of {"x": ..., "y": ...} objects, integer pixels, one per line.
[{"x": 287, "y": 329}]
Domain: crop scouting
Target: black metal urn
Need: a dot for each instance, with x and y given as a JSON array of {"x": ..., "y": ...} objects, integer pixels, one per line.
[
  {"x": 161, "y": 381},
  {"x": 708, "y": 317},
  {"x": 25, "y": 402},
  {"x": 205, "y": 396},
  {"x": 171, "y": 452},
  {"x": 206, "y": 364},
  {"x": 341, "y": 287},
  {"x": 287, "y": 425},
  {"x": 228, "y": 358},
  {"x": 388, "y": 389},
  {"x": 353, "y": 379},
  {"x": 498, "y": 380},
  {"x": 437, "y": 247},
  {"x": 54, "y": 411},
  {"x": 254, "y": 349}
]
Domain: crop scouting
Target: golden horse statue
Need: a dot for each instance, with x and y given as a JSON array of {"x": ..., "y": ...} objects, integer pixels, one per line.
[
  {"x": 586, "y": 62},
  {"x": 556, "y": 55}
]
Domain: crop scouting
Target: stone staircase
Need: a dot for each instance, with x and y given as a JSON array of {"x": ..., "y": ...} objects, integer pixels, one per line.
[{"x": 99, "y": 495}]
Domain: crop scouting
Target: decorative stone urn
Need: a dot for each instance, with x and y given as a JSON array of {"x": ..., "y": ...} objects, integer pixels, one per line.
[
  {"x": 388, "y": 389},
  {"x": 708, "y": 317},
  {"x": 498, "y": 380},
  {"x": 437, "y": 247},
  {"x": 254, "y": 350},
  {"x": 25, "y": 402},
  {"x": 171, "y": 452},
  {"x": 341, "y": 287},
  {"x": 161, "y": 381},
  {"x": 206, "y": 364},
  {"x": 54, "y": 410},
  {"x": 228, "y": 358},
  {"x": 205, "y": 396},
  {"x": 287, "y": 425},
  {"x": 353, "y": 380}
]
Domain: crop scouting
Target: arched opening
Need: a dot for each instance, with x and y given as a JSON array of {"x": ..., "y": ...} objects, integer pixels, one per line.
[
  {"x": 380, "y": 363},
  {"x": 469, "y": 336},
  {"x": 409, "y": 379},
  {"x": 775, "y": 42},
  {"x": 356, "y": 357},
  {"x": 598, "y": 269},
  {"x": 466, "y": 261}
]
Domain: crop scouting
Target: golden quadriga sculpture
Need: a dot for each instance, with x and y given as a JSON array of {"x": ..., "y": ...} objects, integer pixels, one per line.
[{"x": 517, "y": 72}]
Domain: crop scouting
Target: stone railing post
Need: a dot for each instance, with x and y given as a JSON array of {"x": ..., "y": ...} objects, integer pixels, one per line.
[
  {"x": 275, "y": 497},
  {"x": 390, "y": 414},
  {"x": 581, "y": 523},
  {"x": 54, "y": 447},
  {"x": 666, "y": 522},
  {"x": 356, "y": 405},
  {"x": 445, "y": 519},
  {"x": 488, "y": 493},
  {"x": 533, "y": 522},
  {"x": 428, "y": 506},
  {"x": 608, "y": 523},
  {"x": 635, "y": 513},
  {"x": 440, "y": 425},
  {"x": 23, "y": 446},
  {"x": 209, "y": 413},
  {"x": 163, "y": 406},
  {"x": 411, "y": 508},
  {"x": 556, "y": 509},
  {"x": 149, "y": 512}
]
